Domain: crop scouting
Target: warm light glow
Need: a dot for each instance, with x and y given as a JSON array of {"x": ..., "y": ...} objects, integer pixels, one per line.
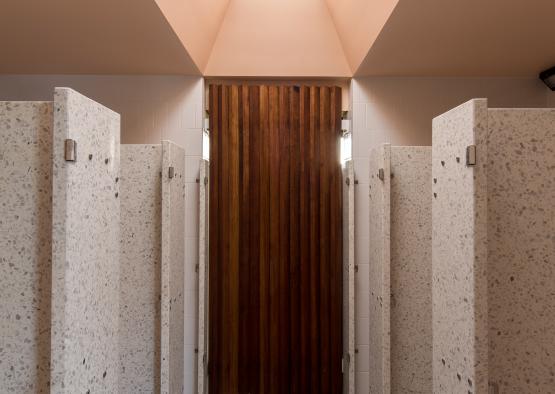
[
  {"x": 346, "y": 147},
  {"x": 205, "y": 145}
]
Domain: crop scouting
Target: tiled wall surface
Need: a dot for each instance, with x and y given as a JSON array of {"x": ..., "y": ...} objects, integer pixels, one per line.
[
  {"x": 411, "y": 269},
  {"x": 140, "y": 276},
  {"x": 85, "y": 246},
  {"x": 459, "y": 251},
  {"x": 173, "y": 256},
  {"x": 25, "y": 245},
  {"x": 152, "y": 107},
  {"x": 373, "y": 341},
  {"x": 521, "y": 249}
]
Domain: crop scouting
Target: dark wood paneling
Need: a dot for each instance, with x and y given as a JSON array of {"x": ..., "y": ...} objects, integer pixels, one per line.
[{"x": 275, "y": 240}]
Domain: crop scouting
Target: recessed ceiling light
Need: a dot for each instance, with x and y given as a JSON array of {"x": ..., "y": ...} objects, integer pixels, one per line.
[{"x": 548, "y": 77}]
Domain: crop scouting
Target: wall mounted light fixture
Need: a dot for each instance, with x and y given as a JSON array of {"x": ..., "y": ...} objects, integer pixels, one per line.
[{"x": 548, "y": 77}]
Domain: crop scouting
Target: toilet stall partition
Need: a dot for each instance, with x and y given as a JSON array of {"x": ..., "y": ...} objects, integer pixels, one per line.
[
  {"x": 379, "y": 336},
  {"x": 85, "y": 245},
  {"x": 459, "y": 250},
  {"x": 493, "y": 249},
  {"x": 25, "y": 245},
  {"x": 173, "y": 258},
  {"x": 202, "y": 360},
  {"x": 400, "y": 267},
  {"x": 411, "y": 269},
  {"x": 348, "y": 278},
  {"x": 521, "y": 249},
  {"x": 141, "y": 275}
]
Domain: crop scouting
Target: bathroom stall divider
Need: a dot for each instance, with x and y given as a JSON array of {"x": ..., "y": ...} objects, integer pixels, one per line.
[
  {"x": 493, "y": 250},
  {"x": 152, "y": 259},
  {"x": 348, "y": 366},
  {"x": 25, "y": 245},
  {"x": 400, "y": 270},
  {"x": 85, "y": 245},
  {"x": 141, "y": 273},
  {"x": 173, "y": 261},
  {"x": 203, "y": 329},
  {"x": 91, "y": 279}
]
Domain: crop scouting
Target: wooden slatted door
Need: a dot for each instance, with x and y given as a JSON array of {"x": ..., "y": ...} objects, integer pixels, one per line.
[{"x": 275, "y": 249}]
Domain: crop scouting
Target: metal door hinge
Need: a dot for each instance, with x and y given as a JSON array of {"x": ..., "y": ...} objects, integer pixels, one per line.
[
  {"x": 171, "y": 172},
  {"x": 70, "y": 148},
  {"x": 348, "y": 181},
  {"x": 345, "y": 361},
  {"x": 205, "y": 180},
  {"x": 381, "y": 174},
  {"x": 471, "y": 155}
]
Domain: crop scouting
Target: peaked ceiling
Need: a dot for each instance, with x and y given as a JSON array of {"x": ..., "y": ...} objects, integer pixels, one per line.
[{"x": 279, "y": 38}]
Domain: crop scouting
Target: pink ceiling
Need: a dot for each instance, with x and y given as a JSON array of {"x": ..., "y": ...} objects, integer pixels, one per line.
[
  {"x": 281, "y": 38},
  {"x": 358, "y": 23},
  {"x": 196, "y": 23}
]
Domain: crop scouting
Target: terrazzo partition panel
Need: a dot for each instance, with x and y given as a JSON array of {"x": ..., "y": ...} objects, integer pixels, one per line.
[
  {"x": 459, "y": 251},
  {"x": 411, "y": 269},
  {"x": 173, "y": 259},
  {"x": 85, "y": 247},
  {"x": 379, "y": 349},
  {"x": 348, "y": 278},
  {"x": 202, "y": 377},
  {"x": 25, "y": 246},
  {"x": 140, "y": 277},
  {"x": 521, "y": 249}
]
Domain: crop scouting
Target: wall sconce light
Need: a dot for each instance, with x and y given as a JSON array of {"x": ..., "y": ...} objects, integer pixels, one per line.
[{"x": 548, "y": 77}]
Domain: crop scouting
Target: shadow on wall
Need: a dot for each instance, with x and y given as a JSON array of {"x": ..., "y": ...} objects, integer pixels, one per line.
[{"x": 152, "y": 108}]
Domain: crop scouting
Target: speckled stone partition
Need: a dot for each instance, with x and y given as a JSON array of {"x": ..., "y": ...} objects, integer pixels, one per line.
[
  {"x": 85, "y": 247},
  {"x": 173, "y": 259},
  {"x": 140, "y": 277},
  {"x": 349, "y": 278},
  {"x": 25, "y": 246},
  {"x": 521, "y": 249},
  {"x": 411, "y": 269},
  {"x": 459, "y": 251},
  {"x": 379, "y": 349},
  {"x": 202, "y": 377}
]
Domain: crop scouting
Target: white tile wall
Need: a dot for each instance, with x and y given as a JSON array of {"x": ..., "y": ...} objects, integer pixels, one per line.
[{"x": 400, "y": 111}]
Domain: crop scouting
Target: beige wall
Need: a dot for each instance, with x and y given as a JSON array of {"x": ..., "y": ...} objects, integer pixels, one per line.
[
  {"x": 287, "y": 38},
  {"x": 152, "y": 108}
]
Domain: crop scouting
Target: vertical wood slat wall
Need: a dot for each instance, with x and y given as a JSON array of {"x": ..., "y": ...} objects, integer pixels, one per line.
[{"x": 275, "y": 250}]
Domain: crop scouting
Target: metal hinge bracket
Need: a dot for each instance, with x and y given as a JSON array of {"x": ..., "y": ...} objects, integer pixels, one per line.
[
  {"x": 70, "y": 150},
  {"x": 471, "y": 155},
  {"x": 171, "y": 172},
  {"x": 206, "y": 180},
  {"x": 381, "y": 174},
  {"x": 348, "y": 181}
]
